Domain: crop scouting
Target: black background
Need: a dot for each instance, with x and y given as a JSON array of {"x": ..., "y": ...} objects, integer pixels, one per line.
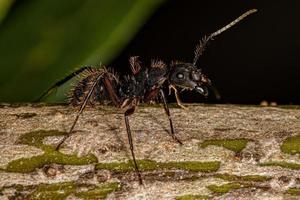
[{"x": 256, "y": 60}]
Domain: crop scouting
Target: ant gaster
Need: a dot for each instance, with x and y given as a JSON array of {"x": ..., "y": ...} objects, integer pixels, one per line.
[{"x": 102, "y": 85}]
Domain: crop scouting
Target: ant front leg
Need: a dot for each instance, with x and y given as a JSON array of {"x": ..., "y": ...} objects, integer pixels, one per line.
[
  {"x": 162, "y": 94},
  {"x": 179, "y": 102},
  {"x": 128, "y": 112}
]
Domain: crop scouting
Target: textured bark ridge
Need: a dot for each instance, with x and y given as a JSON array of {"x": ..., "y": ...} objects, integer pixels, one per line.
[{"x": 229, "y": 152}]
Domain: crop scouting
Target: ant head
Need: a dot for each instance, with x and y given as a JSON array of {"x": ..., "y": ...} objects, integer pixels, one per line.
[{"x": 188, "y": 76}]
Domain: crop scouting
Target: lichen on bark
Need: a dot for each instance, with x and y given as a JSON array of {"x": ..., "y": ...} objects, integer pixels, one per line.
[{"x": 228, "y": 151}]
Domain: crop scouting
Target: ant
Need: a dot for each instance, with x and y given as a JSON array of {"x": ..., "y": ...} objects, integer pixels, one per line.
[{"x": 102, "y": 85}]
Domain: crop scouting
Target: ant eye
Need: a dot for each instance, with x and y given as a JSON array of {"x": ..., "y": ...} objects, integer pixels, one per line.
[{"x": 180, "y": 76}]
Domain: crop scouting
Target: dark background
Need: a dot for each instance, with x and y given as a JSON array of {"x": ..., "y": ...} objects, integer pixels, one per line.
[
  {"x": 43, "y": 41},
  {"x": 256, "y": 60}
]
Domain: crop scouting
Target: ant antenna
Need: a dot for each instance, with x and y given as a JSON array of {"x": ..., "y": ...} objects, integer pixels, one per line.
[
  {"x": 203, "y": 42},
  {"x": 237, "y": 20}
]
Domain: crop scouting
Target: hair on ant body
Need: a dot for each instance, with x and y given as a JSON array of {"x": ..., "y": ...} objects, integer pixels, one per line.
[{"x": 102, "y": 85}]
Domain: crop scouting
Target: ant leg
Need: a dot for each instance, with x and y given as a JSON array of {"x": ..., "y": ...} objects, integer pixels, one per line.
[
  {"x": 169, "y": 116},
  {"x": 127, "y": 113},
  {"x": 64, "y": 80},
  {"x": 84, "y": 103},
  {"x": 179, "y": 102},
  {"x": 135, "y": 64}
]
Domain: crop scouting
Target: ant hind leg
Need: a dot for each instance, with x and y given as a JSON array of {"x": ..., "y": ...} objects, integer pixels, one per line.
[
  {"x": 128, "y": 112},
  {"x": 62, "y": 81},
  {"x": 83, "y": 105}
]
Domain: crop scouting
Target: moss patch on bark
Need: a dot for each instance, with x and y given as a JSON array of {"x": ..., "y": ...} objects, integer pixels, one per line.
[
  {"x": 50, "y": 155},
  {"x": 150, "y": 165},
  {"x": 294, "y": 166},
  {"x": 291, "y": 145},
  {"x": 236, "y": 145},
  {"x": 255, "y": 178},
  {"x": 222, "y": 189}
]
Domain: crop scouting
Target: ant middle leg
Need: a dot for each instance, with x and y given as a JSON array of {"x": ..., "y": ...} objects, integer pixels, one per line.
[
  {"x": 167, "y": 111},
  {"x": 128, "y": 112}
]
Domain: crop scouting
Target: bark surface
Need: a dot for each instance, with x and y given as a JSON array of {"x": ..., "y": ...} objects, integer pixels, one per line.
[{"x": 228, "y": 152}]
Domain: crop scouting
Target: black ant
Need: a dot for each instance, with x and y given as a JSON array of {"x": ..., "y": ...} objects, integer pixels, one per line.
[{"x": 102, "y": 85}]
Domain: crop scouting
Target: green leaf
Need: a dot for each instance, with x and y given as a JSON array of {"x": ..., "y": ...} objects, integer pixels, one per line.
[
  {"x": 42, "y": 41},
  {"x": 4, "y": 8}
]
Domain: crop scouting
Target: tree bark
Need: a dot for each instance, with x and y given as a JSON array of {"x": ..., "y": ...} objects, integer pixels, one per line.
[{"x": 228, "y": 152}]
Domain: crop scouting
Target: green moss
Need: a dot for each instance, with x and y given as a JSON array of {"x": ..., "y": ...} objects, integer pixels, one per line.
[
  {"x": 149, "y": 165},
  {"x": 144, "y": 165},
  {"x": 60, "y": 191},
  {"x": 236, "y": 145},
  {"x": 222, "y": 189},
  {"x": 256, "y": 178},
  {"x": 36, "y": 138},
  {"x": 293, "y": 191},
  {"x": 291, "y": 145},
  {"x": 294, "y": 166},
  {"x": 24, "y": 165},
  {"x": 100, "y": 192},
  {"x": 193, "y": 197}
]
